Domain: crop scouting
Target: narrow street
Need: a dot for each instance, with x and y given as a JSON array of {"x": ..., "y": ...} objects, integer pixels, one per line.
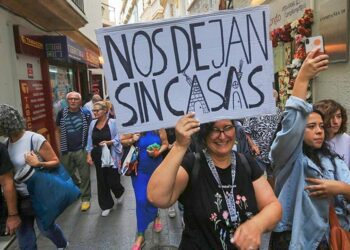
[{"x": 91, "y": 231}]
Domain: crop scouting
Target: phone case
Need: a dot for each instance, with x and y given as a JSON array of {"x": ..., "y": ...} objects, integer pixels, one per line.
[{"x": 314, "y": 42}]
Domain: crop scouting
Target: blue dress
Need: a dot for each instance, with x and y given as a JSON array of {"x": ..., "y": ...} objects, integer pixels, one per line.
[{"x": 145, "y": 211}]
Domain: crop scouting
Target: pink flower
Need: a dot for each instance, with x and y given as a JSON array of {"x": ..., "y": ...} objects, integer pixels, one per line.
[
  {"x": 225, "y": 215},
  {"x": 213, "y": 217},
  {"x": 244, "y": 199}
]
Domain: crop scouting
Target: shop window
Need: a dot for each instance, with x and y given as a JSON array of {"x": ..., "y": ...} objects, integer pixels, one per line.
[{"x": 61, "y": 80}]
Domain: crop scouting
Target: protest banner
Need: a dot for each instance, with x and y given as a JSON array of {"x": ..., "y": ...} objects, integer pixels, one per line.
[{"x": 218, "y": 65}]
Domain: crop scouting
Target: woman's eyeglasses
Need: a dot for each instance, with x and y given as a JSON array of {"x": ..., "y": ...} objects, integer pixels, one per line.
[
  {"x": 227, "y": 130},
  {"x": 96, "y": 110}
]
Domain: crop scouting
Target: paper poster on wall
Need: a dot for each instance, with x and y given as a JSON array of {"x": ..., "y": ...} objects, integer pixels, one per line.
[{"x": 218, "y": 65}]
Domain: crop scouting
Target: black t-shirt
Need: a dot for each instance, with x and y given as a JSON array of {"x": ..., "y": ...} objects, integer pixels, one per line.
[
  {"x": 5, "y": 162},
  {"x": 207, "y": 220}
]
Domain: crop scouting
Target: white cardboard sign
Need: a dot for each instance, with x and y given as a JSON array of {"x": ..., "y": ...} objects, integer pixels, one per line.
[{"x": 219, "y": 65}]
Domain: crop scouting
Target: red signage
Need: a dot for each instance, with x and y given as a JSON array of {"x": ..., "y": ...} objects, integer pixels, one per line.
[
  {"x": 33, "y": 105},
  {"x": 28, "y": 44},
  {"x": 30, "y": 72}
]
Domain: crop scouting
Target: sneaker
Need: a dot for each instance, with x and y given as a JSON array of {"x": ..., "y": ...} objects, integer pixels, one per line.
[
  {"x": 85, "y": 205},
  {"x": 120, "y": 199},
  {"x": 171, "y": 212},
  {"x": 105, "y": 212},
  {"x": 62, "y": 248}
]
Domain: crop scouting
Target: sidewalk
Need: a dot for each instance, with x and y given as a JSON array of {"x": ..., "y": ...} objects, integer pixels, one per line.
[
  {"x": 6, "y": 241},
  {"x": 89, "y": 230}
]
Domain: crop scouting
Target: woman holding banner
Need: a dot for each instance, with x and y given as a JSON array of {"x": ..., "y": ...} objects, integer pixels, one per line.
[
  {"x": 227, "y": 201},
  {"x": 149, "y": 159}
]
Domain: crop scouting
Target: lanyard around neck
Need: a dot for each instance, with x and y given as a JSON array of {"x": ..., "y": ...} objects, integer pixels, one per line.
[{"x": 229, "y": 196}]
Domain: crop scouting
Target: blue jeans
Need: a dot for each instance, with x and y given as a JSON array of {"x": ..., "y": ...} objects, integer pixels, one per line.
[{"x": 27, "y": 238}]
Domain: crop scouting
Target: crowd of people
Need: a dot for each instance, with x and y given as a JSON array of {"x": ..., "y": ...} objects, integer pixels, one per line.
[{"x": 234, "y": 181}]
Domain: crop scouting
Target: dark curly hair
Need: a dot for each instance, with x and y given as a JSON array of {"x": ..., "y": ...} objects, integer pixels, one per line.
[{"x": 329, "y": 107}]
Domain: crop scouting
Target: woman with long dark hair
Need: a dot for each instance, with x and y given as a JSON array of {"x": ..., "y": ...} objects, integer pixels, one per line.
[{"x": 309, "y": 177}]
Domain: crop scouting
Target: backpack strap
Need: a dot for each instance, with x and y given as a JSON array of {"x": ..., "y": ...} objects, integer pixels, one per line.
[
  {"x": 195, "y": 170},
  {"x": 245, "y": 163}
]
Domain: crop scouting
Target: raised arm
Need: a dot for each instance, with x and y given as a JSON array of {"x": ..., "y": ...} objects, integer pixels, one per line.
[
  {"x": 297, "y": 110},
  {"x": 311, "y": 67},
  {"x": 169, "y": 179}
]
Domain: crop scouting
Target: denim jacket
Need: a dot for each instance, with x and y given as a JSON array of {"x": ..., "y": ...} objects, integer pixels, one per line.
[
  {"x": 305, "y": 216},
  {"x": 116, "y": 149}
]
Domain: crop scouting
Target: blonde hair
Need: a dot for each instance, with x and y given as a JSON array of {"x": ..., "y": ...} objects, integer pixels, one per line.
[{"x": 103, "y": 104}]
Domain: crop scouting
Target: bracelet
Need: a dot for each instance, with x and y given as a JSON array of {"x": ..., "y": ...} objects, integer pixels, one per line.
[{"x": 11, "y": 215}]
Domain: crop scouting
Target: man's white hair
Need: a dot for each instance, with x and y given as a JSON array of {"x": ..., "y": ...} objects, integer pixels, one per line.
[{"x": 73, "y": 92}]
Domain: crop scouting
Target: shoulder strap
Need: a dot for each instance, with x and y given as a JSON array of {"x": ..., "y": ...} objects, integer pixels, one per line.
[
  {"x": 31, "y": 143},
  {"x": 245, "y": 163},
  {"x": 195, "y": 170}
]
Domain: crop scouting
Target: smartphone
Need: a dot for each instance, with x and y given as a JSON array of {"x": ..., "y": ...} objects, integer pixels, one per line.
[{"x": 314, "y": 42}]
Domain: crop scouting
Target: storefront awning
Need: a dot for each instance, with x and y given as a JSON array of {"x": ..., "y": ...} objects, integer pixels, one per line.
[{"x": 62, "y": 47}]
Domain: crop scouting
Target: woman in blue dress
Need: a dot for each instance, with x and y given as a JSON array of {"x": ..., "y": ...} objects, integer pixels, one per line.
[{"x": 148, "y": 162}]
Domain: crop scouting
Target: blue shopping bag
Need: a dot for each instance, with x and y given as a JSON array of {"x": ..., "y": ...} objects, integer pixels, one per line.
[{"x": 51, "y": 191}]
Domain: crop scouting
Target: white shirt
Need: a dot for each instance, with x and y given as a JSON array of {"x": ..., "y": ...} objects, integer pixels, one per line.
[
  {"x": 18, "y": 149},
  {"x": 341, "y": 145}
]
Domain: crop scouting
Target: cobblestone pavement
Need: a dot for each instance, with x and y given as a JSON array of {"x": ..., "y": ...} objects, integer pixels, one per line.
[{"x": 88, "y": 230}]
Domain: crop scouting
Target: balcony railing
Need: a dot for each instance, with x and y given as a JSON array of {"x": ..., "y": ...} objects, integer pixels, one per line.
[
  {"x": 79, "y": 4},
  {"x": 108, "y": 14}
]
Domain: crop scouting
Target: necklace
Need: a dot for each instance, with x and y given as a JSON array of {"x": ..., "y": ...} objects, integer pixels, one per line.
[{"x": 229, "y": 196}]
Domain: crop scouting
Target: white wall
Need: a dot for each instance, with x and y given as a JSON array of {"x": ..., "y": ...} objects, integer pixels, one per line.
[
  {"x": 13, "y": 67},
  {"x": 93, "y": 15}
]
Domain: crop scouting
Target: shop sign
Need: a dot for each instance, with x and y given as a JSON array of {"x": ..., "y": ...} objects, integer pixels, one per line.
[
  {"x": 92, "y": 58},
  {"x": 33, "y": 105},
  {"x": 61, "y": 47},
  {"x": 218, "y": 65},
  {"x": 27, "y": 44}
]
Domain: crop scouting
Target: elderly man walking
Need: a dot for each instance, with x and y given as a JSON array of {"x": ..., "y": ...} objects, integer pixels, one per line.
[{"x": 72, "y": 126}]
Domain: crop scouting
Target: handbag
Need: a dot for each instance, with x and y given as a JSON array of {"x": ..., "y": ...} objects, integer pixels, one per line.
[
  {"x": 339, "y": 237},
  {"x": 51, "y": 191},
  {"x": 106, "y": 157},
  {"x": 130, "y": 161}
]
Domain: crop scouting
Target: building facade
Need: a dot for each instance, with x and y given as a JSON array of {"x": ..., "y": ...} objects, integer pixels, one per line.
[
  {"x": 331, "y": 84},
  {"x": 47, "y": 48}
]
